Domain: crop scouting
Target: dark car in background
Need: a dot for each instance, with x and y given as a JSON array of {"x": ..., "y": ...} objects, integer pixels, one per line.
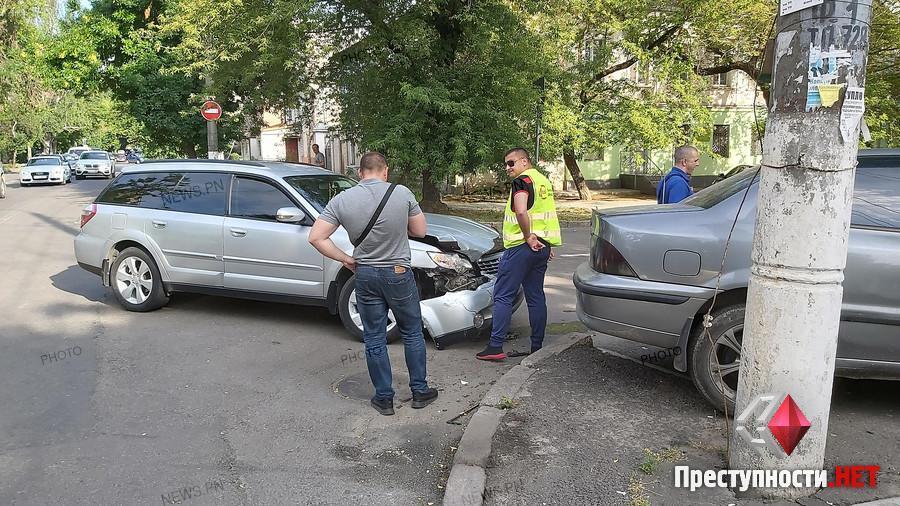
[{"x": 652, "y": 276}]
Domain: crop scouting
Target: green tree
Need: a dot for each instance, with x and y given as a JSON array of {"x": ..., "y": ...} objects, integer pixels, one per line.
[
  {"x": 442, "y": 87},
  {"x": 630, "y": 73},
  {"x": 883, "y": 75}
]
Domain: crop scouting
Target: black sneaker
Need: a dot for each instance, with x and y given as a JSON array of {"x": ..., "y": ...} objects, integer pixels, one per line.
[
  {"x": 384, "y": 406},
  {"x": 422, "y": 399},
  {"x": 535, "y": 350},
  {"x": 491, "y": 353}
]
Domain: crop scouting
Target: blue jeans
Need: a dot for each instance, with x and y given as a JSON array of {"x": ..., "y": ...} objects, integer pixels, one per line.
[
  {"x": 377, "y": 290},
  {"x": 520, "y": 266}
]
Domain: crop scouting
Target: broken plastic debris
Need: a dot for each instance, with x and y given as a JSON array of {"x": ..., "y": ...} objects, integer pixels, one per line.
[{"x": 464, "y": 382}]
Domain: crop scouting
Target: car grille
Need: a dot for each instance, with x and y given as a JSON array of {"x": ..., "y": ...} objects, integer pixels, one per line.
[{"x": 489, "y": 264}]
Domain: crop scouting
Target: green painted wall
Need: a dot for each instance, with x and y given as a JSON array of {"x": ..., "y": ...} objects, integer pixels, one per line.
[{"x": 740, "y": 150}]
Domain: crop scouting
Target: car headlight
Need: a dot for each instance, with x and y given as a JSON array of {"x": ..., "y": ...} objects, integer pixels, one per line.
[{"x": 452, "y": 261}]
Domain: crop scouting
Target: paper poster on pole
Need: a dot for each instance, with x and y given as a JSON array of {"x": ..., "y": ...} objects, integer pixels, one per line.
[
  {"x": 789, "y": 6},
  {"x": 852, "y": 111},
  {"x": 824, "y": 69}
]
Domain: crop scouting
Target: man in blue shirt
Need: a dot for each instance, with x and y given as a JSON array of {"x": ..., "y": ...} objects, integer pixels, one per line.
[{"x": 676, "y": 186}]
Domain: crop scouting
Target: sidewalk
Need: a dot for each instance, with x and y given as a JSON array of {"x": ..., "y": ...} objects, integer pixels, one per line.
[
  {"x": 588, "y": 427},
  {"x": 572, "y": 212}
]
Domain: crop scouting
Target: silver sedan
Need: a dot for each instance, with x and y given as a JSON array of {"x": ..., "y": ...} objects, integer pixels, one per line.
[{"x": 653, "y": 273}]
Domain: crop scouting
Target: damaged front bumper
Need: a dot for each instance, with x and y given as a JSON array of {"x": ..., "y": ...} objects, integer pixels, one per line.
[{"x": 460, "y": 314}]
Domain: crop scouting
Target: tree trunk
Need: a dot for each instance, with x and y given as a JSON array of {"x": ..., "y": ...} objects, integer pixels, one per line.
[
  {"x": 29, "y": 152},
  {"x": 431, "y": 195},
  {"x": 584, "y": 193}
]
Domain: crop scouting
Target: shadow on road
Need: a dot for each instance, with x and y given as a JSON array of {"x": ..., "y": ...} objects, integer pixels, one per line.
[{"x": 78, "y": 281}]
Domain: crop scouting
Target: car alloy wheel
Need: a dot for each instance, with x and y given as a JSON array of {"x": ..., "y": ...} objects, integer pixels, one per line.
[
  {"x": 134, "y": 280},
  {"x": 725, "y": 361},
  {"x": 353, "y": 310},
  {"x": 715, "y": 357}
]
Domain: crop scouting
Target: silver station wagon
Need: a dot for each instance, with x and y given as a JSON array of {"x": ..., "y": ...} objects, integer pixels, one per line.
[
  {"x": 240, "y": 229},
  {"x": 652, "y": 277}
]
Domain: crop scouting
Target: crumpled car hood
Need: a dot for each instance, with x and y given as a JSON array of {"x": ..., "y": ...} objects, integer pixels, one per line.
[{"x": 452, "y": 233}]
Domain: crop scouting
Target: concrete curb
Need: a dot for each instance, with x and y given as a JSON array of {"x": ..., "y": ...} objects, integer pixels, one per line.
[
  {"x": 465, "y": 486},
  {"x": 562, "y": 224},
  {"x": 891, "y": 501}
]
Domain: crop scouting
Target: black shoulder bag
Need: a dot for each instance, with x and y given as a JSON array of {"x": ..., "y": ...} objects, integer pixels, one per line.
[{"x": 375, "y": 215}]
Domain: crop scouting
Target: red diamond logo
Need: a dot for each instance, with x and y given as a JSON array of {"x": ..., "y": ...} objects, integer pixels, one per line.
[{"x": 788, "y": 425}]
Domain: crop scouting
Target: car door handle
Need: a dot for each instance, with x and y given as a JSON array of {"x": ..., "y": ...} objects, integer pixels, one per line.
[
  {"x": 236, "y": 232},
  {"x": 159, "y": 224}
]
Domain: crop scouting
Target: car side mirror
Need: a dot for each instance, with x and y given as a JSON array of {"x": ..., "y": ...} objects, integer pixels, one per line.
[{"x": 290, "y": 215}]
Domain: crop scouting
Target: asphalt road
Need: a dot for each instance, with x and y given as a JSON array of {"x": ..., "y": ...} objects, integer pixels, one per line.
[{"x": 208, "y": 400}]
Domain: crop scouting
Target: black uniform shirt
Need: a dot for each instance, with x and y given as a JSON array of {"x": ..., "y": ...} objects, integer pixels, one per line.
[{"x": 522, "y": 183}]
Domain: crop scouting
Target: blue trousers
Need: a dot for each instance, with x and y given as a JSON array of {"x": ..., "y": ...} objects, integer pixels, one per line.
[
  {"x": 520, "y": 266},
  {"x": 377, "y": 290}
]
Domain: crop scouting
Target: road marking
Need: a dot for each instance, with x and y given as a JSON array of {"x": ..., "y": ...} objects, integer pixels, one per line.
[{"x": 576, "y": 255}]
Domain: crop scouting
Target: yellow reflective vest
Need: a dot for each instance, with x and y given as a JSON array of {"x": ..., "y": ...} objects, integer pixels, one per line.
[{"x": 544, "y": 222}]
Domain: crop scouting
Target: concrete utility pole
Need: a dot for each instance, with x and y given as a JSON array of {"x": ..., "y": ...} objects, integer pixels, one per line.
[{"x": 802, "y": 228}]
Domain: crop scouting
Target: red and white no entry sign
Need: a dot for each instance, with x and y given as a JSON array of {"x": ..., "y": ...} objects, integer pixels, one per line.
[{"x": 211, "y": 110}]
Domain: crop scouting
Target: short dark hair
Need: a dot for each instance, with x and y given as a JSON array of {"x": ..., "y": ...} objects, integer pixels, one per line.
[
  {"x": 524, "y": 152},
  {"x": 315, "y": 145},
  {"x": 372, "y": 161}
]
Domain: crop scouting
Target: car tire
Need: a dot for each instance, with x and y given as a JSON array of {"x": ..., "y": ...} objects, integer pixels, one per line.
[
  {"x": 350, "y": 316},
  {"x": 146, "y": 297},
  {"x": 723, "y": 347},
  {"x": 78, "y": 177}
]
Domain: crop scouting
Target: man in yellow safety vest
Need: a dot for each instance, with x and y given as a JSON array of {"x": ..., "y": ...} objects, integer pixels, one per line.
[{"x": 530, "y": 231}]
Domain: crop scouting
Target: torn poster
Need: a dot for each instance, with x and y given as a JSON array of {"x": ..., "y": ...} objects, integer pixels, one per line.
[
  {"x": 789, "y": 6},
  {"x": 824, "y": 69},
  {"x": 830, "y": 93},
  {"x": 852, "y": 111}
]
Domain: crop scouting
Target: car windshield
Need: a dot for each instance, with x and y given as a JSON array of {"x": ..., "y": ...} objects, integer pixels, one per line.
[
  {"x": 44, "y": 161},
  {"x": 318, "y": 190},
  {"x": 93, "y": 156},
  {"x": 720, "y": 191}
]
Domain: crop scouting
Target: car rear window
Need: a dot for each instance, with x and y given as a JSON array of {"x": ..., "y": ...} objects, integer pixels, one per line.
[
  {"x": 720, "y": 191},
  {"x": 876, "y": 194},
  {"x": 190, "y": 192}
]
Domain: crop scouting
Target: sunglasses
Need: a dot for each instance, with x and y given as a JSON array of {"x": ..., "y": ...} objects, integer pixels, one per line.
[{"x": 511, "y": 163}]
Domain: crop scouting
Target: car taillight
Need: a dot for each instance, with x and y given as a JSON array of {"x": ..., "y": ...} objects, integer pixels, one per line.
[
  {"x": 88, "y": 213},
  {"x": 607, "y": 259}
]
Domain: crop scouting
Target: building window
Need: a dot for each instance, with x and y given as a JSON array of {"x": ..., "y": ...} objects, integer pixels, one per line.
[
  {"x": 720, "y": 140},
  {"x": 720, "y": 79}
]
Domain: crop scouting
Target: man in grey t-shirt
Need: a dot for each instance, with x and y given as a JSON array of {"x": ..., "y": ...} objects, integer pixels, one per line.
[
  {"x": 384, "y": 279},
  {"x": 318, "y": 157}
]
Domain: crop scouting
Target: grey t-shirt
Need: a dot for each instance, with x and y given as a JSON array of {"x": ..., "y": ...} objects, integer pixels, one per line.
[
  {"x": 320, "y": 159},
  {"x": 388, "y": 242}
]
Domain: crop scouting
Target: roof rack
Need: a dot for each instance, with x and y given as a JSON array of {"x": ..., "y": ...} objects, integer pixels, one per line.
[{"x": 205, "y": 160}]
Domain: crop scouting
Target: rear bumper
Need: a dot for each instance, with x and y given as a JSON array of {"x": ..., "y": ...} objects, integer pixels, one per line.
[{"x": 630, "y": 308}]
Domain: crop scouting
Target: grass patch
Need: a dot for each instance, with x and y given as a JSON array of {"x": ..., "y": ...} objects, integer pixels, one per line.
[
  {"x": 652, "y": 459},
  {"x": 636, "y": 494},
  {"x": 506, "y": 403}
]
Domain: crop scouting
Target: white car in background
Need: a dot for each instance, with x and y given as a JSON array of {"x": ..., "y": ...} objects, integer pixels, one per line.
[
  {"x": 95, "y": 163},
  {"x": 2, "y": 183},
  {"x": 45, "y": 169}
]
